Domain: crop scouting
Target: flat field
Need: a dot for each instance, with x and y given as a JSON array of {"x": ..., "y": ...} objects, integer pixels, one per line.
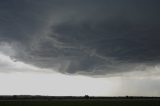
[{"x": 81, "y": 102}]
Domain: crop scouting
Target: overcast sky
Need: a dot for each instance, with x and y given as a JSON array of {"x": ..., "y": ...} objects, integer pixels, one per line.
[{"x": 95, "y": 47}]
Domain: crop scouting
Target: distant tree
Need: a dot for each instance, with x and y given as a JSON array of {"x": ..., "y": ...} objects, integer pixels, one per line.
[{"x": 86, "y": 96}]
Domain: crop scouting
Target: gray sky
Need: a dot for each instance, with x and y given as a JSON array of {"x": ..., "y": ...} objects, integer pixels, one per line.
[{"x": 97, "y": 40}]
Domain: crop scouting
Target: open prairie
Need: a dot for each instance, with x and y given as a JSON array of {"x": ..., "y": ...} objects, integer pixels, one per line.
[{"x": 80, "y": 101}]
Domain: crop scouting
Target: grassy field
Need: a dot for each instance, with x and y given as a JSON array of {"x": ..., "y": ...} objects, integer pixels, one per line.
[{"x": 80, "y": 102}]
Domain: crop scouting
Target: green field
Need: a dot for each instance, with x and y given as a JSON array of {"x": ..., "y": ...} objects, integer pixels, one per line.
[{"x": 81, "y": 103}]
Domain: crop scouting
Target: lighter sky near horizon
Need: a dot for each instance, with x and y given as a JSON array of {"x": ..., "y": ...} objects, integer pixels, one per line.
[
  {"x": 18, "y": 78},
  {"x": 30, "y": 80}
]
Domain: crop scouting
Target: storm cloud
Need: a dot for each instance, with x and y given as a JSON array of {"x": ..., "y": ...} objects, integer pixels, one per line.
[{"x": 90, "y": 37}]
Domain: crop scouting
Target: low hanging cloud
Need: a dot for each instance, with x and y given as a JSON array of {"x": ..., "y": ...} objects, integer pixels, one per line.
[{"x": 88, "y": 37}]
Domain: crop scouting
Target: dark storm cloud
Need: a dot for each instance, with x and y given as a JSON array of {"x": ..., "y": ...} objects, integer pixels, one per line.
[{"x": 91, "y": 37}]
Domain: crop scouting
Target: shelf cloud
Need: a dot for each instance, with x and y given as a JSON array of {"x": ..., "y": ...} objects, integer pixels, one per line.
[{"x": 89, "y": 37}]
